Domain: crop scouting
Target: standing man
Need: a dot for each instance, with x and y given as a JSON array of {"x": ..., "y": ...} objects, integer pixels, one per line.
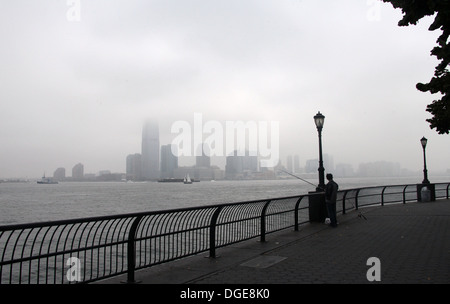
[{"x": 330, "y": 199}]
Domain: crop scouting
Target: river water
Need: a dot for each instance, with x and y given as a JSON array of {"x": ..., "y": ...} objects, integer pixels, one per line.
[{"x": 31, "y": 202}]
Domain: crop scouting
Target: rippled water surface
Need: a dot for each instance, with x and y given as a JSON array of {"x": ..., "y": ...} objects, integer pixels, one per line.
[{"x": 31, "y": 202}]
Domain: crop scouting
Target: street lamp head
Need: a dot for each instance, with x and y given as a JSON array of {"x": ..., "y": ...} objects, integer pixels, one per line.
[
  {"x": 319, "y": 120},
  {"x": 423, "y": 141}
]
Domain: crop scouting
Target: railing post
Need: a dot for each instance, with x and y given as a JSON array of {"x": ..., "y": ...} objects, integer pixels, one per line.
[
  {"x": 263, "y": 221},
  {"x": 131, "y": 251},
  {"x": 404, "y": 194},
  {"x": 382, "y": 196},
  {"x": 296, "y": 213},
  {"x": 212, "y": 232},
  {"x": 356, "y": 198},
  {"x": 447, "y": 190},
  {"x": 343, "y": 202}
]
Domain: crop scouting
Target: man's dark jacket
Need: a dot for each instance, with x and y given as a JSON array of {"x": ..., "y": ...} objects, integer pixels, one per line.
[{"x": 331, "y": 192}]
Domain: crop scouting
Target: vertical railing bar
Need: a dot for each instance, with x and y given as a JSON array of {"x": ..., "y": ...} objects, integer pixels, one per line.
[
  {"x": 344, "y": 211},
  {"x": 92, "y": 250},
  {"x": 30, "y": 255},
  {"x": 83, "y": 227},
  {"x": 113, "y": 223},
  {"x": 67, "y": 238},
  {"x": 167, "y": 231},
  {"x": 212, "y": 232},
  {"x": 22, "y": 254},
  {"x": 404, "y": 194},
  {"x": 31, "y": 250},
  {"x": 296, "y": 213},
  {"x": 56, "y": 248},
  {"x": 146, "y": 226},
  {"x": 263, "y": 222},
  {"x": 382, "y": 195},
  {"x": 99, "y": 241},
  {"x": 126, "y": 223},
  {"x": 131, "y": 258},
  {"x": 117, "y": 235},
  {"x": 4, "y": 252},
  {"x": 12, "y": 257},
  {"x": 356, "y": 199},
  {"x": 103, "y": 247},
  {"x": 154, "y": 229}
]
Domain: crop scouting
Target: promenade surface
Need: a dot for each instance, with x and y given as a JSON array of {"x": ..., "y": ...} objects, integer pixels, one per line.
[{"x": 411, "y": 242}]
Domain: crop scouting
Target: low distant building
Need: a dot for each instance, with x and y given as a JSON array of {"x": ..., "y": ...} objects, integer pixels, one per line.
[
  {"x": 344, "y": 170},
  {"x": 59, "y": 174},
  {"x": 199, "y": 173},
  {"x": 110, "y": 177},
  {"x": 78, "y": 172},
  {"x": 240, "y": 166},
  {"x": 134, "y": 167},
  {"x": 379, "y": 169},
  {"x": 89, "y": 177}
]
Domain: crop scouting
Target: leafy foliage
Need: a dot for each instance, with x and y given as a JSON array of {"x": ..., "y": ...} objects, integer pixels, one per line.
[{"x": 413, "y": 11}]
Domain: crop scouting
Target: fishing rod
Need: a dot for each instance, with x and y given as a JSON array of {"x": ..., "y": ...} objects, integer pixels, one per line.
[
  {"x": 301, "y": 179},
  {"x": 360, "y": 215}
]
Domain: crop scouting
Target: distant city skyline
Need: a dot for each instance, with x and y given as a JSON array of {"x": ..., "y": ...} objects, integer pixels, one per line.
[
  {"x": 163, "y": 164},
  {"x": 156, "y": 161}
]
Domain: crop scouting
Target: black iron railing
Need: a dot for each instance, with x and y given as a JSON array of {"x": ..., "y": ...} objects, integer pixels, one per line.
[{"x": 90, "y": 249}]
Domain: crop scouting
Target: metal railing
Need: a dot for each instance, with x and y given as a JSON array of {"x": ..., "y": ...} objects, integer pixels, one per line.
[{"x": 90, "y": 249}]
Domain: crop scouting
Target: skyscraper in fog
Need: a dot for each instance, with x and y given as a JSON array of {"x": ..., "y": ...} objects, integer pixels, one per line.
[
  {"x": 169, "y": 161},
  {"x": 150, "y": 151}
]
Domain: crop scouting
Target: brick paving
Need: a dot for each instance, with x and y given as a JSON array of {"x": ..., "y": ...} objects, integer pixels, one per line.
[{"x": 412, "y": 243}]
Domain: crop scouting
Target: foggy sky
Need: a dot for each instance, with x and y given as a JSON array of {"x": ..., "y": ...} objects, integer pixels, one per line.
[{"x": 80, "y": 91}]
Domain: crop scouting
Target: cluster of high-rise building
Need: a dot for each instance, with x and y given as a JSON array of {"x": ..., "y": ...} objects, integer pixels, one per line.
[{"x": 158, "y": 162}]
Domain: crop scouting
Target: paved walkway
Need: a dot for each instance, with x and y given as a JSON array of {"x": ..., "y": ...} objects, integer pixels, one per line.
[{"x": 411, "y": 243}]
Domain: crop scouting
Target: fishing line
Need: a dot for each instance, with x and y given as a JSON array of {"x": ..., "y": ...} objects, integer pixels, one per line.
[
  {"x": 301, "y": 179},
  {"x": 360, "y": 215}
]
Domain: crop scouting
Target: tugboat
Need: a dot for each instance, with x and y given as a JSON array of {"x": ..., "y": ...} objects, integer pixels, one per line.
[
  {"x": 187, "y": 179},
  {"x": 46, "y": 181}
]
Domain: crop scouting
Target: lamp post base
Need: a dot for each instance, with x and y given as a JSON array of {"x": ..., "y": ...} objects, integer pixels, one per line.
[
  {"x": 426, "y": 192},
  {"x": 317, "y": 208}
]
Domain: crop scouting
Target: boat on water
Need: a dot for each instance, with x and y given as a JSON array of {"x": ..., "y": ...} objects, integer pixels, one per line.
[
  {"x": 171, "y": 180},
  {"x": 46, "y": 181},
  {"x": 187, "y": 179}
]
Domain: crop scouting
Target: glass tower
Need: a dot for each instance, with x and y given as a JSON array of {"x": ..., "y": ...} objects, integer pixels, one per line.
[{"x": 150, "y": 151}]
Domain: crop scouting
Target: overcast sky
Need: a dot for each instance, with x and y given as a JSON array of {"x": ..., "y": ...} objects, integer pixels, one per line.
[{"x": 77, "y": 83}]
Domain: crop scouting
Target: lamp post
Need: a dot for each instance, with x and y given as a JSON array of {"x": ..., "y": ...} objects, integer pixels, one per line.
[
  {"x": 423, "y": 141},
  {"x": 319, "y": 120}
]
